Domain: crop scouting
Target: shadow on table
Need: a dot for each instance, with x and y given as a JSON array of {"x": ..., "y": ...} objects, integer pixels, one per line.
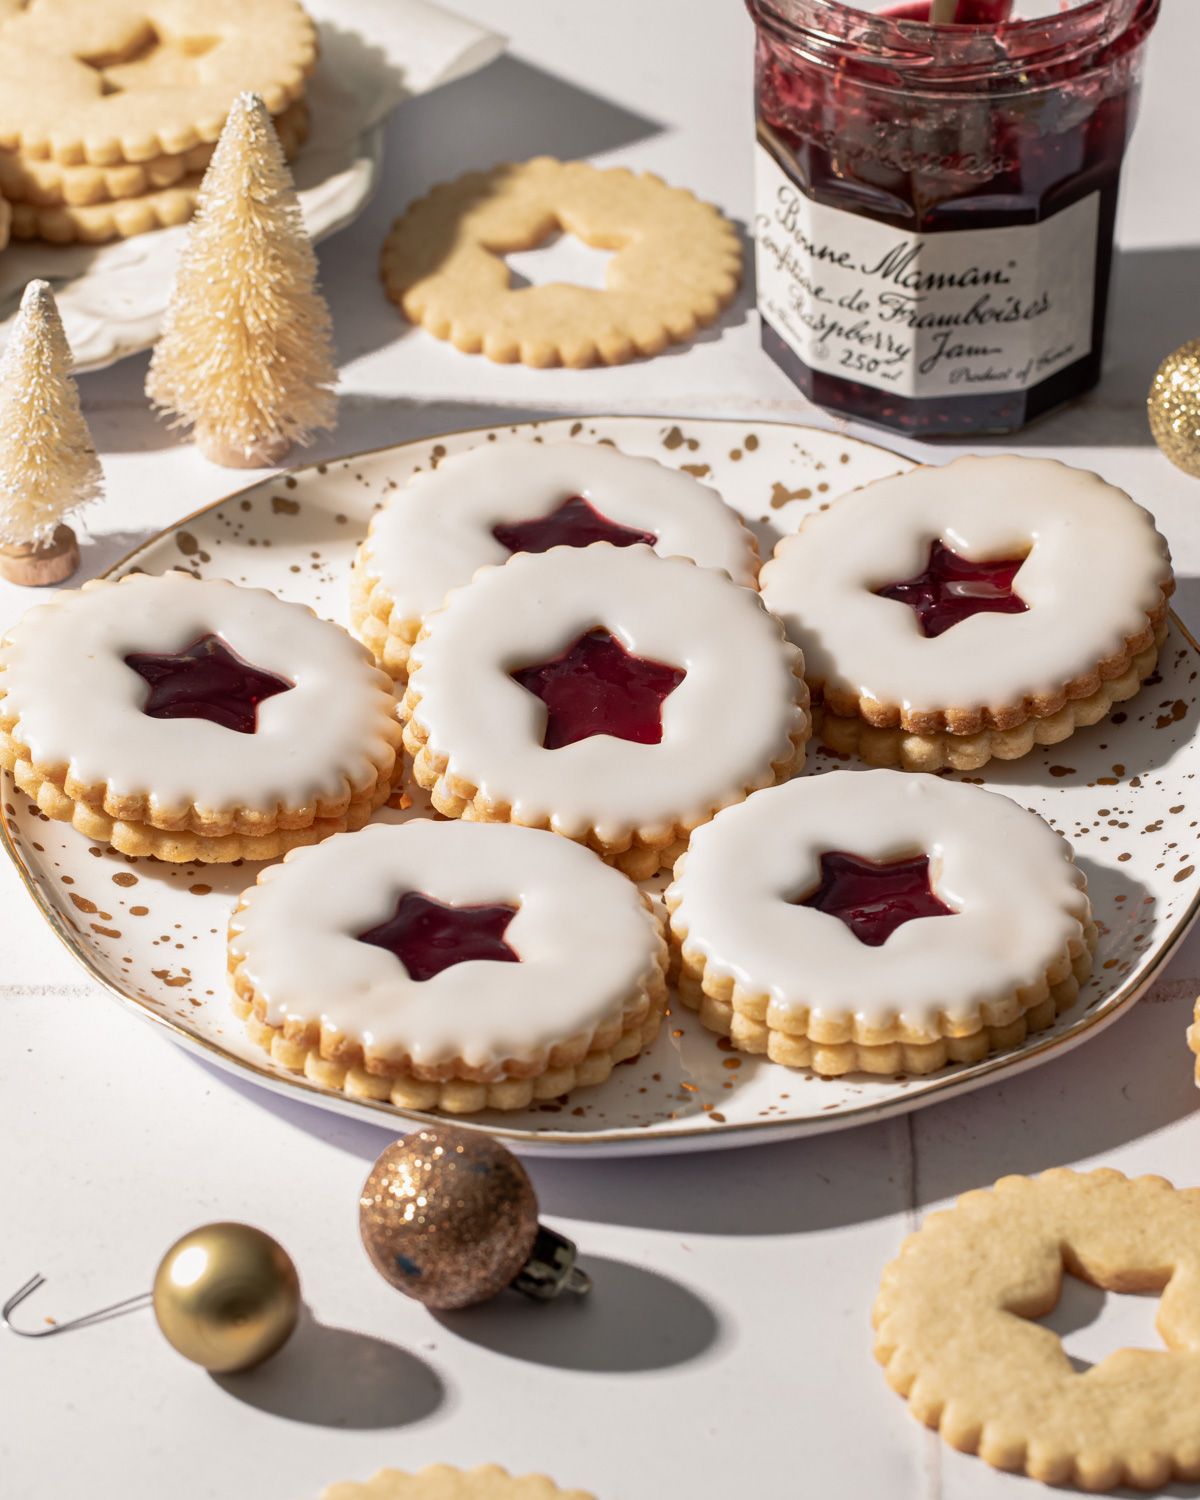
[
  {"x": 1079, "y": 1305},
  {"x": 1149, "y": 289},
  {"x": 633, "y": 1319},
  {"x": 1124, "y": 1085},
  {"x": 365, "y": 422},
  {"x": 1129, "y": 1083},
  {"x": 333, "y": 1377}
]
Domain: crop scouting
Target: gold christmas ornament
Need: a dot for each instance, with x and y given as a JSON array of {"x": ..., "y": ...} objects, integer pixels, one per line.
[
  {"x": 246, "y": 352},
  {"x": 226, "y": 1296},
  {"x": 448, "y": 1216},
  {"x": 1174, "y": 407},
  {"x": 48, "y": 463}
]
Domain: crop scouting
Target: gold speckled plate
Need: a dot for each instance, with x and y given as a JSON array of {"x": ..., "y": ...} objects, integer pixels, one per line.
[{"x": 1124, "y": 791}]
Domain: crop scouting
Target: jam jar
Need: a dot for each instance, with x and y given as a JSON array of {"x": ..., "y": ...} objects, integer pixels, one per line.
[{"x": 935, "y": 203}]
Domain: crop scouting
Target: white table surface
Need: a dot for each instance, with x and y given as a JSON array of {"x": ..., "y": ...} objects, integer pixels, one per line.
[{"x": 727, "y": 1347}]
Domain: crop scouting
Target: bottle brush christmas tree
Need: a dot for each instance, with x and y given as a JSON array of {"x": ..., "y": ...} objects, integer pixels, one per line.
[
  {"x": 48, "y": 463},
  {"x": 246, "y": 355}
]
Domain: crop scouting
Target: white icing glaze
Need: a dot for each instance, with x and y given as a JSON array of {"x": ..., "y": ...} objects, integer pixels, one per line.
[
  {"x": 433, "y": 536},
  {"x": 725, "y": 723},
  {"x": 585, "y": 941},
  {"x": 80, "y": 706},
  {"x": 1016, "y": 895},
  {"x": 1094, "y": 568}
]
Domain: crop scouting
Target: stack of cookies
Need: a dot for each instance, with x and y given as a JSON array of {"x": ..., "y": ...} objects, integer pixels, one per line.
[{"x": 110, "y": 109}]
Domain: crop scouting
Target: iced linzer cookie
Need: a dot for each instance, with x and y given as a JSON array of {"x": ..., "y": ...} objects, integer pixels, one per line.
[
  {"x": 865, "y": 920},
  {"x": 611, "y": 695},
  {"x": 194, "y": 720},
  {"x": 481, "y": 506},
  {"x": 948, "y": 615},
  {"x": 446, "y": 965}
]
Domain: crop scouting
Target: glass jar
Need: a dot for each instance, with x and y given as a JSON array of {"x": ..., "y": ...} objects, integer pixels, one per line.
[{"x": 935, "y": 205}]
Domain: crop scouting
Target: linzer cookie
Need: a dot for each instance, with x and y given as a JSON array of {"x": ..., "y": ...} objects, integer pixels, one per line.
[
  {"x": 480, "y": 507},
  {"x": 614, "y": 696},
  {"x": 952, "y": 614},
  {"x": 865, "y": 920},
  {"x": 194, "y": 720},
  {"x": 106, "y": 81},
  {"x": 448, "y": 966},
  {"x": 440, "y": 1482},
  {"x": 44, "y": 183},
  {"x": 956, "y": 1330},
  {"x": 678, "y": 262},
  {"x": 97, "y": 223}
]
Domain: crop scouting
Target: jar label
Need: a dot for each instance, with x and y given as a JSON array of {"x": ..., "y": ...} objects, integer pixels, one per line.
[{"x": 958, "y": 313}]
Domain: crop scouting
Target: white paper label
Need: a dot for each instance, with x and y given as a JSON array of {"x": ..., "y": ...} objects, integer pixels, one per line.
[{"x": 961, "y": 313}]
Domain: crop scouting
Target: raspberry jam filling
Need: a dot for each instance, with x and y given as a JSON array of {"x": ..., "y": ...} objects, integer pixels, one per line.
[
  {"x": 597, "y": 687},
  {"x": 953, "y": 588},
  {"x": 427, "y": 936},
  {"x": 873, "y": 900},
  {"x": 574, "y": 524},
  {"x": 206, "y": 680}
]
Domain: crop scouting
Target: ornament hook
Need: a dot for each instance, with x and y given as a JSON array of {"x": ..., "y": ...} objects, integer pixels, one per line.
[{"x": 143, "y": 1299}]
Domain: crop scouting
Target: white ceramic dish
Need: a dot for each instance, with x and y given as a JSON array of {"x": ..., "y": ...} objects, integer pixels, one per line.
[{"x": 153, "y": 934}]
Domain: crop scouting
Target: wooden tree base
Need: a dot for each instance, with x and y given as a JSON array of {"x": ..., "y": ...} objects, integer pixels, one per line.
[
  {"x": 51, "y": 562},
  {"x": 264, "y": 455}
]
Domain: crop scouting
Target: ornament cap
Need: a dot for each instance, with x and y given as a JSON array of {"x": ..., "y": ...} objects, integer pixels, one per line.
[{"x": 551, "y": 1268}]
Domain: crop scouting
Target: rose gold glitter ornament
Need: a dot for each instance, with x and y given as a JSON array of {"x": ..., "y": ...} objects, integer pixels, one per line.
[{"x": 449, "y": 1217}]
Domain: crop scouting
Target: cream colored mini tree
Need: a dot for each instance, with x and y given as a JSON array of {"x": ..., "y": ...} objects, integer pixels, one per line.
[
  {"x": 48, "y": 463},
  {"x": 246, "y": 353}
]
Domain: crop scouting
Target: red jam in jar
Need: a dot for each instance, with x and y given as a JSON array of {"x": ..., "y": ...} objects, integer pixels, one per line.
[{"x": 935, "y": 203}]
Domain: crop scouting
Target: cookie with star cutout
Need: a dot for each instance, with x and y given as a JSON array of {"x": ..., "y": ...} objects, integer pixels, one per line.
[
  {"x": 194, "y": 720},
  {"x": 611, "y": 695},
  {"x": 957, "y": 1331},
  {"x": 952, "y": 614},
  {"x": 448, "y": 965},
  {"x": 875, "y": 922},
  {"x": 101, "y": 82},
  {"x": 481, "y": 506},
  {"x": 441, "y": 1482}
]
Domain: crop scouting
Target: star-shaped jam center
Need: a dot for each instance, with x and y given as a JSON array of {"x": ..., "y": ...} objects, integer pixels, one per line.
[
  {"x": 952, "y": 588},
  {"x": 428, "y": 936},
  {"x": 575, "y": 523},
  {"x": 206, "y": 680},
  {"x": 597, "y": 687},
  {"x": 873, "y": 900}
]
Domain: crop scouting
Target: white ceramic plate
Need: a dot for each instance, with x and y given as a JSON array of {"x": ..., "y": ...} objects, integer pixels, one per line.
[{"x": 153, "y": 933}]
